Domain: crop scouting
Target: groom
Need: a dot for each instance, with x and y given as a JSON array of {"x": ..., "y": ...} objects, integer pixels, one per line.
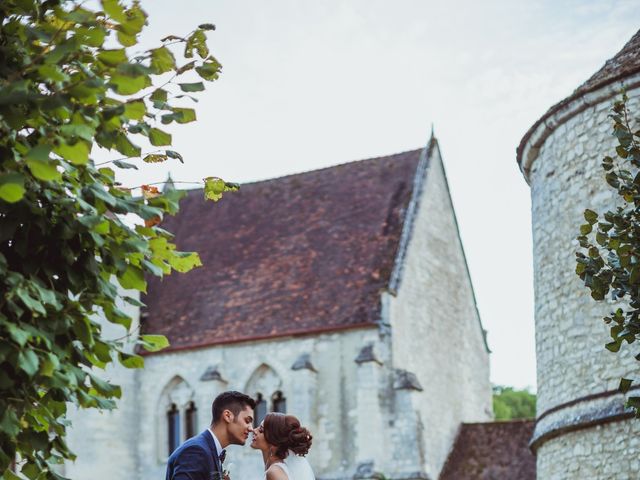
[{"x": 201, "y": 457}]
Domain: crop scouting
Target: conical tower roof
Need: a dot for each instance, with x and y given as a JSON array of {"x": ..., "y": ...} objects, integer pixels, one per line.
[{"x": 624, "y": 64}]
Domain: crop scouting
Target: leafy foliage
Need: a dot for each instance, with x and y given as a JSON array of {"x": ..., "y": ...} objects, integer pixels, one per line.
[
  {"x": 609, "y": 262},
  {"x": 509, "y": 404},
  {"x": 69, "y": 87}
]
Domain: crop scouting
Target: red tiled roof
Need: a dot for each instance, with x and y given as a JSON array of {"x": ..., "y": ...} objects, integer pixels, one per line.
[
  {"x": 623, "y": 64},
  {"x": 492, "y": 451},
  {"x": 299, "y": 254}
]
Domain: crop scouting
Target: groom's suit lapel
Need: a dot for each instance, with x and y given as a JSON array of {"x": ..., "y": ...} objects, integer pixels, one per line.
[{"x": 214, "y": 451}]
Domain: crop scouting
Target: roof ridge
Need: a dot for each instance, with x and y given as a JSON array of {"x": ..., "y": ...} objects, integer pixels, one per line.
[{"x": 321, "y": 169}]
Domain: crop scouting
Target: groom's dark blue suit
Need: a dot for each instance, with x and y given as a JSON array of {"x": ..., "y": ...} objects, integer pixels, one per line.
[{"x": 195, "y": 459}]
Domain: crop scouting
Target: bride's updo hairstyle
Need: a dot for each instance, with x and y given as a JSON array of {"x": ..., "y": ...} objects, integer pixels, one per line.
[{"x": 285, "y": 433}]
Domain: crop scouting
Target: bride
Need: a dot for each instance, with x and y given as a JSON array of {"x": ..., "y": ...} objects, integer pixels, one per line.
[{"x": 283, "y": 443}]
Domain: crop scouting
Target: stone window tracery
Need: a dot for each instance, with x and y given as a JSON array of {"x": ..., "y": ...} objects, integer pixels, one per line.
[
  {"x": 177, "y": 416},
  {"x": 265, "y": 386}
]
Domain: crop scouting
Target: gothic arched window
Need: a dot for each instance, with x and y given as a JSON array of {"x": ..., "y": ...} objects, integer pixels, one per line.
[
  {"x": 176, "y": 416},
  {"x": 173, "y": 422},
  {"x": 279, "y": 402},
  {"x": 265, "y": 385},
  {"x": 191, "y": 422}
]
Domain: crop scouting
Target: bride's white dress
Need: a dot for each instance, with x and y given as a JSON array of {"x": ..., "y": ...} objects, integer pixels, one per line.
[{"x": 296, "y": 468}]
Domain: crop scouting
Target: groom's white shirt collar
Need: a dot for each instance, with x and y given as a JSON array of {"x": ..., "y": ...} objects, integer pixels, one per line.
[{"x": 217, "y": 442}]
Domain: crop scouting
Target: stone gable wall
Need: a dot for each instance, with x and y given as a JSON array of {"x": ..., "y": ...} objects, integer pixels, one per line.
[{"x": 435, "y": 328}]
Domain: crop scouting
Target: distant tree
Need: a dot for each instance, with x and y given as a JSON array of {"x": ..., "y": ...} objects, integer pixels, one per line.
[
  {"x": 509, "y": 404},
  {"x": 70, "y": 84},
  {"x": 609, "y": 262}
]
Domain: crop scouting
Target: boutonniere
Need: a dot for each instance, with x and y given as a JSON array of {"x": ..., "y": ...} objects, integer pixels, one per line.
[{"x": 226, "y": 473}]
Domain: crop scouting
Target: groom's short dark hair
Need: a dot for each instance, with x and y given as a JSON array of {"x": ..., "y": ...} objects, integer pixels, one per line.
[{"x": 233, "y": 401}]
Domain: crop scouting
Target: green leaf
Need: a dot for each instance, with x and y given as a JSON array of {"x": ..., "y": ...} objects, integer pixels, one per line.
[
  {"x": 209, "y": 70},
  {"x": 114, "y": 10},
  {"x": 192, "y": 87},
  {"x": 113, "y": 58},
  {"x": 159, "y": 95},
  {"x": 45, "y": 171},
  {"x": 214, "y": 187},
  {"x": 124, "y": 165},
  {"x": 30, "y": 302},
  {"x": 11, "y": 187},
  {"x": 174, "y": 154},
  {"x": 197, "y": 41},
  {"x": 162, "y": 60},
  {"x": 135, "y": 110},
  {"x": 39, "y": 153},
  {"x": 126, "y": 147},
  {"x": 82, "y": 131},
  {"x": 184, "y": 261},
  {"x": 93, "y": 37},
  {"x": 159, "y": 138},
  {"x": 154, "y": 343},
  {"x": 126, "y": 85},
  {"x": 625, "y": 385},
  {"x": 207, "y": 26},
  {"x": 77, "y": 153},
  {"x": 28, "y": 362},
  {"x": 613, "y": 346},
  {"x": 104, "y": 387},
  {"x": 590, "y": 216},
  {"x": 49, "y": 365},
  {"x": 154, "y": 158},
  {"x": 154, "y": 269},
  {"x": 9, "y": 423},
  {"x": 19, "y": 335},
  {"x": 622, "y": 152},
  {"x": 133, "y": 278},
  {"x": 82, "y": 329},
  {"x": 184, "y": 115},
  {"x": 131, "y": 361},
  {"x": 53, "y": 73},
  {"x": 126, "y": 39}
]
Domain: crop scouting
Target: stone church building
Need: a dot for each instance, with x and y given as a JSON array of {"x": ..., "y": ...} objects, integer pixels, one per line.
[{"x": 340, "y": 295}]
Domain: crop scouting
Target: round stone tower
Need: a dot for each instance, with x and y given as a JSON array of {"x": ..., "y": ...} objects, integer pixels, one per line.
[{"x": 582, "y": 429}]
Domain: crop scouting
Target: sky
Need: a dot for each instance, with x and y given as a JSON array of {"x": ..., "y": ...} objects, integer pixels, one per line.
[{"x": 309, "y": 84}]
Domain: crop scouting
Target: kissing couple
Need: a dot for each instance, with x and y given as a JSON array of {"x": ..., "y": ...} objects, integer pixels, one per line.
[{"x": 281, "y": 439}]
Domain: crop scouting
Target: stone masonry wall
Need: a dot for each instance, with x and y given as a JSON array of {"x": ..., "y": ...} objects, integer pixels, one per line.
[
  {"x": 572, "y": 362},
  {"x": 436, "y": 332},
  {"x": 604, "y": 452},
  {"x": 105, "y": 441}
]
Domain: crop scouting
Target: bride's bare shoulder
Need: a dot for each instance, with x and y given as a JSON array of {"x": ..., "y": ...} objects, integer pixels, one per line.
[{"x": 274, "y": 472}]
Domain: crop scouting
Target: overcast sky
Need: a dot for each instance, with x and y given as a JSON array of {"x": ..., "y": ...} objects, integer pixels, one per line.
[{"x": 308, "y": 84}]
